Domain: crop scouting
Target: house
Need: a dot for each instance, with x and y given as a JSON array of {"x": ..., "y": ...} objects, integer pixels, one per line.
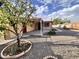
[
  {"x": 32, "y": 25},
  {"x": 36, "y": 24}
]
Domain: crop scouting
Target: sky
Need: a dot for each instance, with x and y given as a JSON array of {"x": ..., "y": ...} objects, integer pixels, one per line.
[{"x": 50, "y": 9}]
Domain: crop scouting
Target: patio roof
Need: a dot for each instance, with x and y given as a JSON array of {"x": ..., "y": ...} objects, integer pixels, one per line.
[{"x": 38, "y": 19}]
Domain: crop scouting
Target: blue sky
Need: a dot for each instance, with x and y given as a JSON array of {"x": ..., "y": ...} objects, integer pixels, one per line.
[{"x": 47, "y": 9}]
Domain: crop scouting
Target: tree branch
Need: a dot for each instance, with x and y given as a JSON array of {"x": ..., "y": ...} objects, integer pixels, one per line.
[{"x": 11, "y": 31}]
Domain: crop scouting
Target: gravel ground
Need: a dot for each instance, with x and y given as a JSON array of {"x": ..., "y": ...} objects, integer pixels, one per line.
[
  {"x": 66, "y": 51},
  {"x": 63, "y": 49}
]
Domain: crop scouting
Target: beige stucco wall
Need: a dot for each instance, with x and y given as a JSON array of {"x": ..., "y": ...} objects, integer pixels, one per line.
[
  {"x": 75, "y": 25},
  {"x": 31, "y": 27},
  {"x": 1, "y": 36},
  {"x": 9, "y": 34},
  {"x": 68, "y": 25}
]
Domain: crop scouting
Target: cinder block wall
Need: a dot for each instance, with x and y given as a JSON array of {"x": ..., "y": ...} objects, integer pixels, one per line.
[
  {"x": 75, "y": 26},
  {"x": 32, "y": 27}
]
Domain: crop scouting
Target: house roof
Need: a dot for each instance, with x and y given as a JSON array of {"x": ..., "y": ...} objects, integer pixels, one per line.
[{"x": 46, "y": 20}]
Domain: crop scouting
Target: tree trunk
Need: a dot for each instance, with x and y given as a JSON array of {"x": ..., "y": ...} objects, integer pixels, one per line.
[
  {"x": 18, "y": 40},
  {"x": 24, "y": 28}
]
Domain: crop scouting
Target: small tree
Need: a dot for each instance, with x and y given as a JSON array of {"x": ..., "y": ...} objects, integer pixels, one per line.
[
  {"x": 13, "y": 13},
  {"x": 66, "y": 20},
  {"x": 57, "y": 21},
  {"x": 60, "y": 21}
]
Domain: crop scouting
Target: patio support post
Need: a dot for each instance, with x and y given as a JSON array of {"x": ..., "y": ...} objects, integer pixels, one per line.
[{"x": 41, "y": 27}]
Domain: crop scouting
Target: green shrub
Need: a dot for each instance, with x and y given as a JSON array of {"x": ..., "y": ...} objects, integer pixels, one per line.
[
  {"x": 54, "y": 29},
  {"x": 51, "y": 33}
]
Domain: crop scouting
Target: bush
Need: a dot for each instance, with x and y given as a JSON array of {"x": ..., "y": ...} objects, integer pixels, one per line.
[
  {"x": 54, "y": 29},
  {"x": 51, "y": 33}
]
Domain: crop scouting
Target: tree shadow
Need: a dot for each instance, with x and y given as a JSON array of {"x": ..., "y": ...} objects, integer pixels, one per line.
[
  {"x": 34, "y": 36},
  {"x": 67, "y": 33}
]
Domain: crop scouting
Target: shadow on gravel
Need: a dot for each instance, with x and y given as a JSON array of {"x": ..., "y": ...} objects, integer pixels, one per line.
[{"x": 67, "y": 33}]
